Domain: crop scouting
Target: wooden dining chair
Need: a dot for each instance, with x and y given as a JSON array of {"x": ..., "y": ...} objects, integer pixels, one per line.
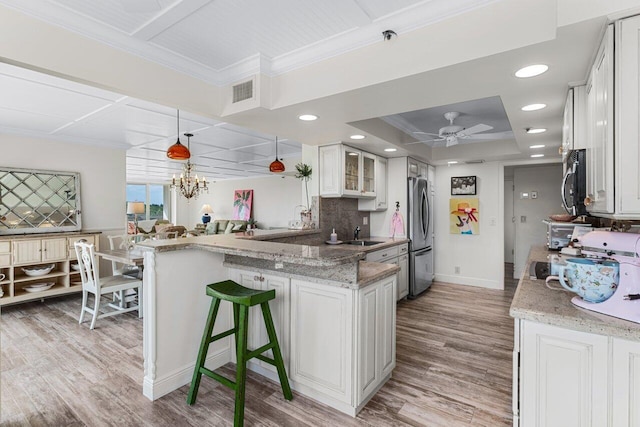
[
  {"x": 92, "y": 283},
  {"x": 124, "y": 242}
]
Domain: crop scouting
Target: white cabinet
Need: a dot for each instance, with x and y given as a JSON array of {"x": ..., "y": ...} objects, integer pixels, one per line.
[
  {"x": 567, "y": 126},
  {"x": 346, "y": 172},
  {"x": 379, "y": 202},
  {"x": 403, "y": 276},
  {"x": 573, "y": 378},
  {"x": 321, "y": 338},
  {"x": 39, "y": 250},
  {"x": 279, "y": 312},
  {"x": 627, "y": 111},
  {"x": 16, "y": 253},
  {"x": 600, "y": 143},
  {"x": 563, "y": 377},
  {"x": 626, "y": 383},
  {"x": 399, "y": 256},
  {"x": 376, "y": 335}
]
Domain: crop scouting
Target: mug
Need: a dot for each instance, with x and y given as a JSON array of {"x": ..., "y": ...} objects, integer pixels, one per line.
[
  {"x": 594, "y": 280},
  {"x": 2, "y": 277}
]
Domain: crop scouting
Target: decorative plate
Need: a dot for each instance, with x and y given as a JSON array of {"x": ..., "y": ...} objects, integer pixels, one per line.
[
  {"x": 38, "y": 287},
  {"x": 38, "y": 270},
  {"x": 337, "y": 242}
]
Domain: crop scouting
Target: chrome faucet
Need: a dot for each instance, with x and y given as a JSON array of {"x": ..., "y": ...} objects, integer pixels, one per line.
[{"x": 356, "y": 232}]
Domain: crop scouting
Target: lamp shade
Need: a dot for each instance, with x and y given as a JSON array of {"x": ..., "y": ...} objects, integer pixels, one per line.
[
  {"x": 135, "y": 207},
  {"x": 206, "y": 209},
  {"x": 178, "y": 151}
]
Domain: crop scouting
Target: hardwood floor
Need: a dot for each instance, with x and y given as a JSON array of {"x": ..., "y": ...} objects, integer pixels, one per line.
[{"x": 453, "y": 369}]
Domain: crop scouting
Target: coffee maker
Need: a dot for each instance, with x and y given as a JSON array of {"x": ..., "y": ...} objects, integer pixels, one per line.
[{"x": 623, "y": 248}]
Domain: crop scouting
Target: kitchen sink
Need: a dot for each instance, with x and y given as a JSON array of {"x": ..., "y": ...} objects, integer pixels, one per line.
[{"x": 363, "y": 242}]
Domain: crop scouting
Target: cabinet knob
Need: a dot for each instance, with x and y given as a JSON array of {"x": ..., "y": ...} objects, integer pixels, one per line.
[{"x": 587, "y": 201}]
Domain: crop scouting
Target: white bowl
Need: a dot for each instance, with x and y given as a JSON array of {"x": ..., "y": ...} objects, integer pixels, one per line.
[
  {"x": 38, "y": 270},
  {"x": 75, "y": 267},
  {"x": 38, "y": 287}
]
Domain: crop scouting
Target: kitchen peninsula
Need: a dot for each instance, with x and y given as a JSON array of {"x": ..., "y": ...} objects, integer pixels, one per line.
[{"x": 334, "y": 313}]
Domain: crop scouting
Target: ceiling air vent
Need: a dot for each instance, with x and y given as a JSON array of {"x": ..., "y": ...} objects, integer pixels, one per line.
[
  {"x": 473, "y": 162},
  {"x": 243, "y": 91}
]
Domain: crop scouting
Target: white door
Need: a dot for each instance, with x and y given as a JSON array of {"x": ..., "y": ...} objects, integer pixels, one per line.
[
  {"x": 626, "y": 383},
  {"x": 509, "y": 224}
]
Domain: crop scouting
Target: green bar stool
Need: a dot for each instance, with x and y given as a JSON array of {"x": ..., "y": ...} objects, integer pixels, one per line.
[{"x": 242, "y": 298}]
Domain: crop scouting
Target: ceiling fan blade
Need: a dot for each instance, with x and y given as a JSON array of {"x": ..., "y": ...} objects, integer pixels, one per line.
[
  {"x": 450, "y": 142},
  {"x": 426, "y": 133},
  {"x": 424, "y": 141},
  {"x": 496, "y": 135},
  {"x": 473, "y": 129}
]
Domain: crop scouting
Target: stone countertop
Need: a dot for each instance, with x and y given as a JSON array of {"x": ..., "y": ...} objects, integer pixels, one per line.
[
  {"x": 242, "y": 245},
  {"x": 386, "y": 242},
  {"x": 534, "y": 301},
  {"x": 371, "y": 272}
]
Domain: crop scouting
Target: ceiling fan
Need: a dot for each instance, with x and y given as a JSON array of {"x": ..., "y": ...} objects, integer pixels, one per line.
[{"x": 449, "y": 135}]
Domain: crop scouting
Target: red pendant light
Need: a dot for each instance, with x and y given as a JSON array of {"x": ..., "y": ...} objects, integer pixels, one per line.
[
  {"x": 276, "y": 166},
  {"x": 178, "y": 151}
]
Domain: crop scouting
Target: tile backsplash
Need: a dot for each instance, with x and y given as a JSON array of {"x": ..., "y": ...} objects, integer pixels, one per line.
[{"x": 343, "y": 215}]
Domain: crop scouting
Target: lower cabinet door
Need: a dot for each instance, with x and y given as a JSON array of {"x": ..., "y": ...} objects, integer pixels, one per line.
[
  {"x": 368, "y": 336},
  {"x": 564, "y": 377},
  {"x": 321, "y": 338},
  {"x": 403, "y": 276},
  {"x": 626, "y": 383},
  {"x": 387, "y": 326}
]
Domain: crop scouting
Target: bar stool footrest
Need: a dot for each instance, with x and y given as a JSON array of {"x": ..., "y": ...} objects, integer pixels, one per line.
[
  {"x": 259, "y": 351},
  {"x": 267, "y": 359},
  {"x": 221, "y": 379}
]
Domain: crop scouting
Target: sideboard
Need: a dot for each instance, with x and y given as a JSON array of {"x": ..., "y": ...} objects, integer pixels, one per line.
[{"x": 23, "y": 251}]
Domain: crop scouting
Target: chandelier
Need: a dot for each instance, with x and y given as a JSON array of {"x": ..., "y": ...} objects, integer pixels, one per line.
[{"x": 189, "y": 184}]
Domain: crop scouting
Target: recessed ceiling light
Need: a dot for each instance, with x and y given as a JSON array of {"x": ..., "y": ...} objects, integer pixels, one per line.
[
  {"x": 533, "y": 107},
  {"x": 535, "y": 130},
  {"x": 452, "y": 162},
  {"x": 531, "y": 71},
  {"x": 537, "y": 155},
  {"x": 357, "y": 137},
  {"x": 390, "y": 150},
  {"x": 537, "y": 146},
  {"x": 308, "y": 117}
]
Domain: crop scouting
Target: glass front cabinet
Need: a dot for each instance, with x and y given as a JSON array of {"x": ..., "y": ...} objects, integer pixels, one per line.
[{"x": 346, "y": 172}]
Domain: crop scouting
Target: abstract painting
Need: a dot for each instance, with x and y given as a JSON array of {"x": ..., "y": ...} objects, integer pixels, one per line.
[
  {"x": 465, "y": 216},
  {"x": 242, "y": 200}
]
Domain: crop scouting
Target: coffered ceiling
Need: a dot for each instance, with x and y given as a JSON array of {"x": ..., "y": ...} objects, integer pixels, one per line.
[{"x": 117, "y": 70}]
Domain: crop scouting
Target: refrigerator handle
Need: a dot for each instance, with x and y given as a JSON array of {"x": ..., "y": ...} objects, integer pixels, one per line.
[{"x": 424, "y": 204}]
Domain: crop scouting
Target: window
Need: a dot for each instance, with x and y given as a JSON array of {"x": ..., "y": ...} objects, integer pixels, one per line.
[{"x": 156, "y": 200}]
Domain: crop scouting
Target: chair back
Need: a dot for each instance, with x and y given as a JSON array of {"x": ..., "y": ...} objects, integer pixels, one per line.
[{"x": 89, "y": 273}]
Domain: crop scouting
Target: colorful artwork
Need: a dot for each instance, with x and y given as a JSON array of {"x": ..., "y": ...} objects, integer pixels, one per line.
[
  {"x": 242, "y": 200},
  {"x": 465, "y": 216}
]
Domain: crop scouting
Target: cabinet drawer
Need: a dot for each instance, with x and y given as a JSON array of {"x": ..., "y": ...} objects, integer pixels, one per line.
[
  {"x": 90, "y": 239},
  {"x": 403, "y": 249},
  {"x": 383, "y": 254},
  {"x": 5, "y": 247},
  {"x": 5, "y": 260}
]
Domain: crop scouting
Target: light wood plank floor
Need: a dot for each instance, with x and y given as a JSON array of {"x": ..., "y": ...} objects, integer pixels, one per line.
[{"x": 453, "y": 369}]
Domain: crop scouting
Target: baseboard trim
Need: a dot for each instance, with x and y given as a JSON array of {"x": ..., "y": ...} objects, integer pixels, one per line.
[
  {"x": 160, "y": 386},
  {"x": 468, "y": 281}
]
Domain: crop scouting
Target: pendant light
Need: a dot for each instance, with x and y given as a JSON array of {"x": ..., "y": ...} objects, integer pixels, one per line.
[
  {"x": 178, "y": 151},
  {"x": 276, "y": 166}
]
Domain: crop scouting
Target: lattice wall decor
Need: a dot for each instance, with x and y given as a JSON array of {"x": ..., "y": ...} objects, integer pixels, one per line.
[{"x": 36, "y": 201}]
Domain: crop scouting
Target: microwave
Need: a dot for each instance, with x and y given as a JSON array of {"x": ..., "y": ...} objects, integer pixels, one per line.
[{"x": 574, "y": 183}]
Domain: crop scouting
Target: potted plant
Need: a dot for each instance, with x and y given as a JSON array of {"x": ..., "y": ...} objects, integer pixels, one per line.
[{"x": 303, "y": 172}]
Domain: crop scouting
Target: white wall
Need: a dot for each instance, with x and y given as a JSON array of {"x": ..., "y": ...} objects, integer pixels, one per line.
[
  {"x": 396, "y": 192},
  {"x": 480, "y": 257},
  {"x": 274, "y": 200},
  {"x": 102, "y": 174},
  {"x": 546, "y": 181}
]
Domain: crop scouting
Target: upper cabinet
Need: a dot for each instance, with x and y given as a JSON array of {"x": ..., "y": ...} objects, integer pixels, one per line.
[
  {"x": 612, "y": 136},
  {"x": 627, "y": 112},
  {"x": 379, "y": 202},
  {"x": 347, "y": 172},
  {"x": 600, "y": 141}
]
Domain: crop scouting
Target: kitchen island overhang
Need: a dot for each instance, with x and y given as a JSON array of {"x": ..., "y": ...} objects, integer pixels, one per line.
[{"x": 334, "y": 314}]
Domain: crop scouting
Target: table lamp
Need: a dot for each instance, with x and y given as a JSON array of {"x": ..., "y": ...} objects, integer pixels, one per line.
[
  {"x": 206, "y": 210},
  {"x": 135, "y": 208}
]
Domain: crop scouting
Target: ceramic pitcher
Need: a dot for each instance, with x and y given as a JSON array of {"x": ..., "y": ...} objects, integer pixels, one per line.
[{"x": 594, "y": 280}]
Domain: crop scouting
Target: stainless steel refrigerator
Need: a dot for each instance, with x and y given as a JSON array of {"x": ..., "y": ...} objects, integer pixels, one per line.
[{"x": 420, "y": 231}]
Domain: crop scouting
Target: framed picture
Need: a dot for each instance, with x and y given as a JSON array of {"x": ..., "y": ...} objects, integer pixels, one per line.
[
  {"x": 242, "y": 200},
  {"x": 463, "y": 185}
]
